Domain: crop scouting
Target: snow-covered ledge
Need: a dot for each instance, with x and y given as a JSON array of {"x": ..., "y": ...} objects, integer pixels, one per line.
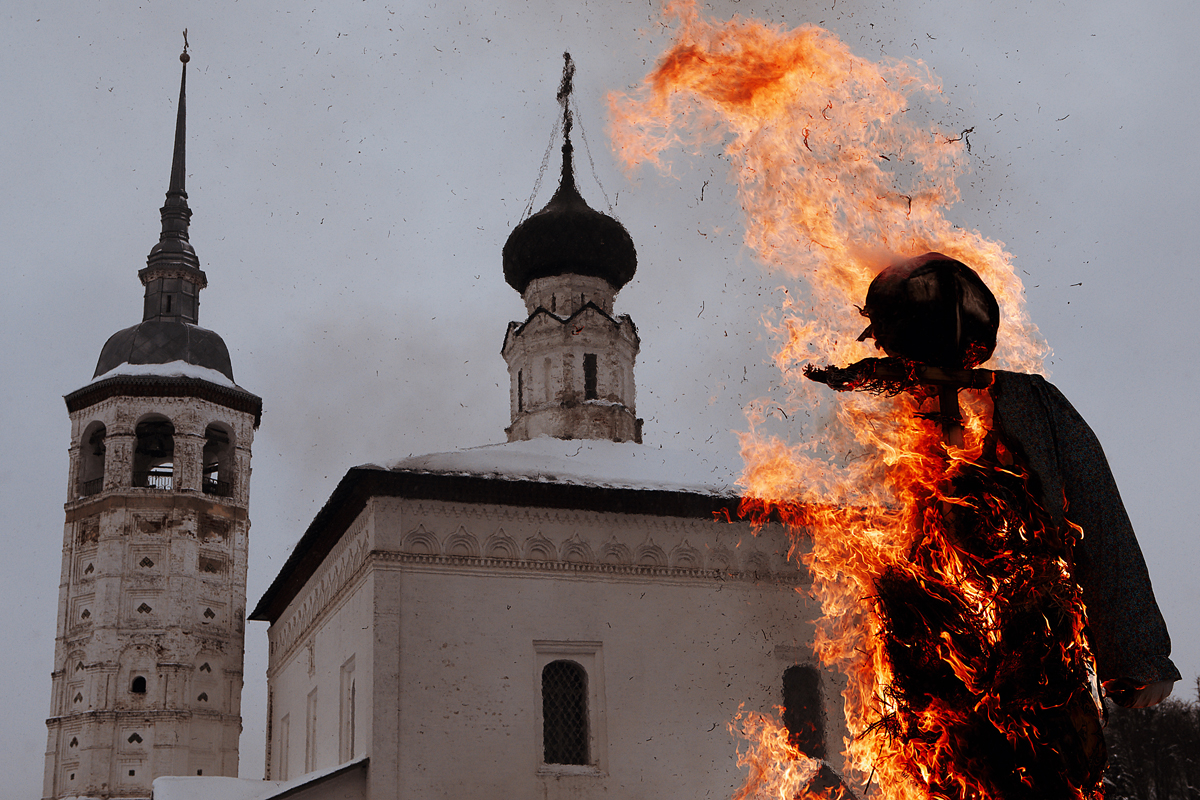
[
  {"x": 587, "y": 462},
  {"x": 213, "y": 788},
  {"x": 172, "y": 369}
]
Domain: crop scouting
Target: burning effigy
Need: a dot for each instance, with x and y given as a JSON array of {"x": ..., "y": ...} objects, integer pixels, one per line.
[{"x": 980, "y": 582}]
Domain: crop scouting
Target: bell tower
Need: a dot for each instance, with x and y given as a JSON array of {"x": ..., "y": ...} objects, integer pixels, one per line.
[
  {"x": 570, "y": 363},
  {"x": 147, "y": 676}
]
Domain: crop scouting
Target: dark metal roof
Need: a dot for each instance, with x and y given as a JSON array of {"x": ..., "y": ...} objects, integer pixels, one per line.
[
  {"x": 159, "y": 339},
  {"x": 568, "y": 237},
  {"x": 360, "y": 484},
  {"x": 162, "y": 338},
  {"x": 174, "y": 253},
  {"x": 161, "y": 342}
]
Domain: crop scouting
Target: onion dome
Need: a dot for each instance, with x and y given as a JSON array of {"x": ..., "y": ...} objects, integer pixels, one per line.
[
  {"x": 161, "y": 342},
  {"x": 934, "y": 310},
  {"x": 568, "y": 237},
  {"x": 173, "y": 280}
]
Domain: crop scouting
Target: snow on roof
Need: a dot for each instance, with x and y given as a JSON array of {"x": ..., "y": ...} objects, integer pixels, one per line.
[
  {"x": 590, "y": 462},
  {"x": 212, "y": 788},
  {"x": 172, "y": 369},
  {"x": 206, "y": 788}
]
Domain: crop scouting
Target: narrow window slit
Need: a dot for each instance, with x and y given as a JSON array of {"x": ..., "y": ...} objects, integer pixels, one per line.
[
  {"x": 589, "y": 376},
  {"x": 802, "y": 712}
]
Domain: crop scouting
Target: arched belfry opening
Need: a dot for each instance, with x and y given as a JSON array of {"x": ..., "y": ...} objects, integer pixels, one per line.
[
  {"x": 154, "y": 453},
  {"x": 218, "y": 461},
  {"x": 90, "y": 476}
]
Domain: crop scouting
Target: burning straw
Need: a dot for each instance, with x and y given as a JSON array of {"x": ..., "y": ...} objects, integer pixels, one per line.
[{"x": 838, "y": 180}]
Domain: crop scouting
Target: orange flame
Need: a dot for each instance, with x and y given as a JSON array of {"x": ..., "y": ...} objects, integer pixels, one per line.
[
  {"x": 777, "y": 770},
  {"x": 839, "y": 178}
]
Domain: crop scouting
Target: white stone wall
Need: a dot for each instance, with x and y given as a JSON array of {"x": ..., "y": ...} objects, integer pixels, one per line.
[
  {"x": 547, "y": 357},
  {"x": 565, "y": 294},
  {"x": 327, "y": 627},
  {"x": 678, "y": 622},
  {"x": 152, "y": 586}
]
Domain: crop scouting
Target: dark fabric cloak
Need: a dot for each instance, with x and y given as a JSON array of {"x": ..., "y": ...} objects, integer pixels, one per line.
[{"x": 1072, "y": 478}]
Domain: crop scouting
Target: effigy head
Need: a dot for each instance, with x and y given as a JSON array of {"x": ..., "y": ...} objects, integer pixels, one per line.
[{"x": 934, "y": 310}]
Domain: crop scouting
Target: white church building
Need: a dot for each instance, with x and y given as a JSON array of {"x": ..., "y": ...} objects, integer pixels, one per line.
[{"x": 569, "y": 614}]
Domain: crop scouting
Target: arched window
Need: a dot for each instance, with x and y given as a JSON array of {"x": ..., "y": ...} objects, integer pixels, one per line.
[
  {"x": 218, "y": 461},
  {"x": 154, "y": 456},
  {"x": 91, "y": 460},
  {"x": 802, "y": 712},
  {"x": 138, "y": 684},
  {"x": 564, "y": 713}
]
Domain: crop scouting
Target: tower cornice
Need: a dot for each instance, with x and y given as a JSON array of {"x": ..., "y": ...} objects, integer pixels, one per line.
[{"x": 234, "y": 398}]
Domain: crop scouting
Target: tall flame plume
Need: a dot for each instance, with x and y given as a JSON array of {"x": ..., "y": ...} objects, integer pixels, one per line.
[{"x": 839, "y": 178}]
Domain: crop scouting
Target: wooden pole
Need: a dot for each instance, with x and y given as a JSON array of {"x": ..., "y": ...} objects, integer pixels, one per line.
[{"x": 951, "y": 415}]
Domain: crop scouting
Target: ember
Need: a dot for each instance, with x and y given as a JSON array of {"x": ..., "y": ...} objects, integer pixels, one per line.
[{"x": 945, "y": 578}]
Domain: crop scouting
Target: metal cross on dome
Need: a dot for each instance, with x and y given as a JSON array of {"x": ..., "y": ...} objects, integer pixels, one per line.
[{"x": 566, "y": 87}]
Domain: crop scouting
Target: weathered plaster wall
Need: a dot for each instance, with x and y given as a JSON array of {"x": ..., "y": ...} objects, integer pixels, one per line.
[
  {"x": 565, "y": 294},
  {"x": 152, "y": 586},
  {"x": 328, "y": 629},
  {"x": 671, "y": 652},
  {"x": 546, "y": 357}
]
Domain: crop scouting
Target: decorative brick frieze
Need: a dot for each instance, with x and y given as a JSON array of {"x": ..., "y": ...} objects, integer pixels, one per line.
[
  {"x": 341, "y": 567},
  {"x": 554, "y": 543}
]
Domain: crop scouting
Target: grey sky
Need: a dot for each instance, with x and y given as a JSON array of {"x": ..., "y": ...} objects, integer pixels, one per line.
[{"x": 355, "y": 167}]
